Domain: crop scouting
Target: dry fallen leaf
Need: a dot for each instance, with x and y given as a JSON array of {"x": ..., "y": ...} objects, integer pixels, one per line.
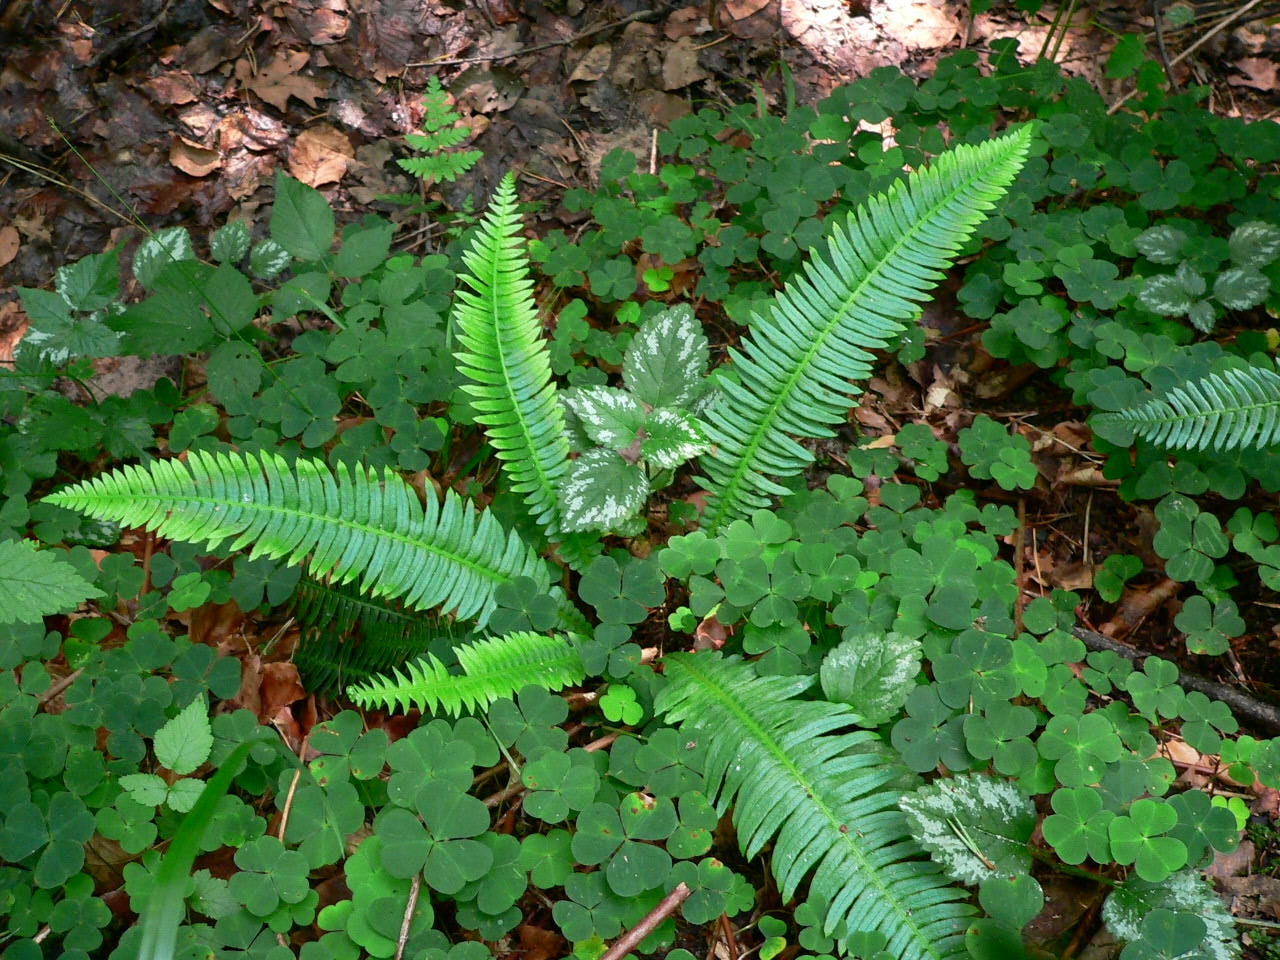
[
  {"x": 9, "y": 244},
  {"x": 279, "y": 80},
  {"x": 680, "y": 66},
  {"x": 193, "y": 159},
  {"x": 594, "y": 64},
  {"x": 173, "y": 87},
  {"x": 320, "y": 155}
]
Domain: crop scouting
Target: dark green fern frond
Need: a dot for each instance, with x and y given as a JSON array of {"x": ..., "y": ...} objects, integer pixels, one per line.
[
  {"x": 358, "y": 526},
  {"x": 346, "y": 638},
  {"x": 1239, "y": 407},
  {"x": 853, "y": 295},
  {"x": 795, "y": 774},
  {"x": 504, "y": 355},
  {"x": 493, "y": 668}
]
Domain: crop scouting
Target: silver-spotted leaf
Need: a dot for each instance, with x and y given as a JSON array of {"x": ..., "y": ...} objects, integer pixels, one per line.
[
  {"x": 666, "y": 363},
  {"x": 873, "y": 673}
]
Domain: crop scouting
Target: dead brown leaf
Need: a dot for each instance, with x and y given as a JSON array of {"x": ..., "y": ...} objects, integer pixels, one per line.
[
  {"x": 680, "y": 65},
  {"x": 1259, "y": 73},
  {"x": 320, "y": 155},
  {"x": 595, "y": 64},
  {"x": 10, "y": 243},
  {"x": 193, "y": 159},
  {"x": 281, "y": 688},
  {"x": 741, "y": 9},
  {"x": 279, "y": 80},
  {"x": 174, "y": 87}
]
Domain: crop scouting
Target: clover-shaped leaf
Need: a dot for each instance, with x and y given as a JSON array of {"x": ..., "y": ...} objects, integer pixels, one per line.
[
  {"x": 1077, "y": 829},
  {"x": 558, "y": 783},
  {"x": 269, "y": 875},
  {"x": 690, "y": 553},
  {"x": 1138, "y": 838},
  {"x": 716, "y": 889},
  {"x": 614, "y": 834},
  {"x": 1185, "y": 893},
  {"x": 1188, "y": 539},
  {"x": 991, "y": 452},
  {"x": 1013, "y": 900},
  {"x": 1081, "y": 746},
  {"x": 975, "y": 826},
  {"x": 548, "y": 858}
]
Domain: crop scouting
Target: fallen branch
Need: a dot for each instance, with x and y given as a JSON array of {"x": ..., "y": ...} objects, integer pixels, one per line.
[
  {"x": 1265, "y": 716},
  {"x": 631, "y": 939}
]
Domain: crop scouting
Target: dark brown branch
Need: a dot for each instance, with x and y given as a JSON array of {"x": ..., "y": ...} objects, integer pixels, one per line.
[
  {"x": 1264, "y": 716},
  {"x": 631, "y": 939}
]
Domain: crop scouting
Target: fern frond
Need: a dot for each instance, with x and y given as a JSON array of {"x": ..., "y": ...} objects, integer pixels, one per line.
[
  {"x": 360, "y": 526},
  {"x": 854, "y": 293},
  {"x": 1239, "y": 407},
  {"x": 493, "y": 668},
  {"x": 796, "y": 775},
  {"x": 346, "y": 638},
  {"x": 504, "y": 355}
]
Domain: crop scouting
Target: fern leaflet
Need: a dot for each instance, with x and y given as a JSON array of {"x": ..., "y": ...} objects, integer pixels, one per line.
[
  {"x": 853, "y": 295},
  {"x": 344, "y": 526},
  {"x": 1238, "y": 407},
  {"x": 797, "y": 776},
  {"x": 493, "y": 668},
  {"x": 504, "y": 355}
]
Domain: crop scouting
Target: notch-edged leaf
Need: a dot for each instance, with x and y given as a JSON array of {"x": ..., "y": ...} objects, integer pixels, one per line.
[
  {"x": 873, "y": 673},
  {"x": 672, "y": 437},
  {"x": 610, "y": 417},
  {"x": 1240, "y": 288},
  {"x": 824, "y": 795},
  {"x": 158, "y": 251},
  {"x": 301, "y": 219},
  {"x": 184, "y": 742},
  {"x": 492, "y": 668},
  {"x": 666, "y": 362},
  {"x": 854, "y": 294},
  {"x": 1254, "y": 244},
  {"x": 975, "y": 826},
  {"x": 346, "y": 525},
  {"x": 35, "y": 584},
  {"x": 1162, "y": 244},
  {"x": 602, "y": 490}
]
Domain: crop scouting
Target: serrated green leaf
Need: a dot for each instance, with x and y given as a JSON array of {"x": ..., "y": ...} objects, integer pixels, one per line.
[
  {"x": 873, "y": 673},
  {"x": 610, "y": 417},
  {"x": 602, "y": 491},
  {"x": 185, "y": 741},
  {"x": 1162, "y": 244},
  {"x": 672, "y": 438},
  {"x": 301, "y": 219},
  {"x": 666, "y": 362},
  {"x": 1254, "y": 244},
  {"x": 35, "y": 584},
  {"x": 90, "y": 283},
  {"x": 1239, "y": 288},
  {"x": 145, "y": 788},
  {"x": 230, "y": 242},
  {"x": 159, "y": 250}
]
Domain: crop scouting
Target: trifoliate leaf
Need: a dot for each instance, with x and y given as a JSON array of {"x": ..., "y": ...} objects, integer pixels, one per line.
[
  {"x": 35, "y": 583},
  {"x": 603, "y": 489},
  {"x": 184, "y": 742},
  {"x": 672, "y": 438},
  {"x": 873, "y": 673},
  {"x": 1239, "y": 288},
  {"x": 1161, "y": 244},
  {"x": 1254, "y": 244},
  {"x": 666, "y": 363},
  {"x": 610, "y": 417},
  {"x": 975, "y": 826}
]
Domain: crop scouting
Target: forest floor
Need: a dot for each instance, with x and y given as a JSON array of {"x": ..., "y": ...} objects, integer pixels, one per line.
[{"x": 116, "y": 113}]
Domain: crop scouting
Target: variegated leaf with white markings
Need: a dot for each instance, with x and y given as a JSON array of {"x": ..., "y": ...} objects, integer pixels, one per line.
[
  {"x": 666, "y": 363},
  {"x": 610, "y": 417},
  {"x": 672, "y": 437},
  {"x": 602, "y": 491},
  {"x": 975, "y": 827}
]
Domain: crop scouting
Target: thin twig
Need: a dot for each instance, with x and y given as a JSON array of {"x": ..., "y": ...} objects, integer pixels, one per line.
[
  {"x": 1158, "y": 19},
  {"x": 59, "y": 686},
  {"x": 632, "y": 938},
  {"x": 1209, "y": 35},
  {"x": 640, "y": 15},
  {"x": 410, "y": 908}
]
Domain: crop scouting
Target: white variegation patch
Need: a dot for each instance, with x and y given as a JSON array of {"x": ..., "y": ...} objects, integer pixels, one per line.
[
  {"x": 1185, "y": 892},
  {"x": 602, "y": 490},
  {"x": 672, "y": 438},
  {"x": 1162, "y": 243},
  {"x": 1254, "y": 244},
  {"x": 974, "y": 826},
  {"x": 873, "y": 673},
  {"x": 610, "y": 417},
  {"x": 158, "y": 251},
  {"x": 666, "y": 363}
]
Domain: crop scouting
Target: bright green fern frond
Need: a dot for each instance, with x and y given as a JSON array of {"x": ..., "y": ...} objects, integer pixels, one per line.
[
  {"x": 493, "y": 668},
  {"x": 855, "y": 293},
  {"x": 350, "y": 527},
  {"x": 504, "y": 355},
  {"x": 1239, "y": 407},
  {"x": 796, "y": 775}
]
